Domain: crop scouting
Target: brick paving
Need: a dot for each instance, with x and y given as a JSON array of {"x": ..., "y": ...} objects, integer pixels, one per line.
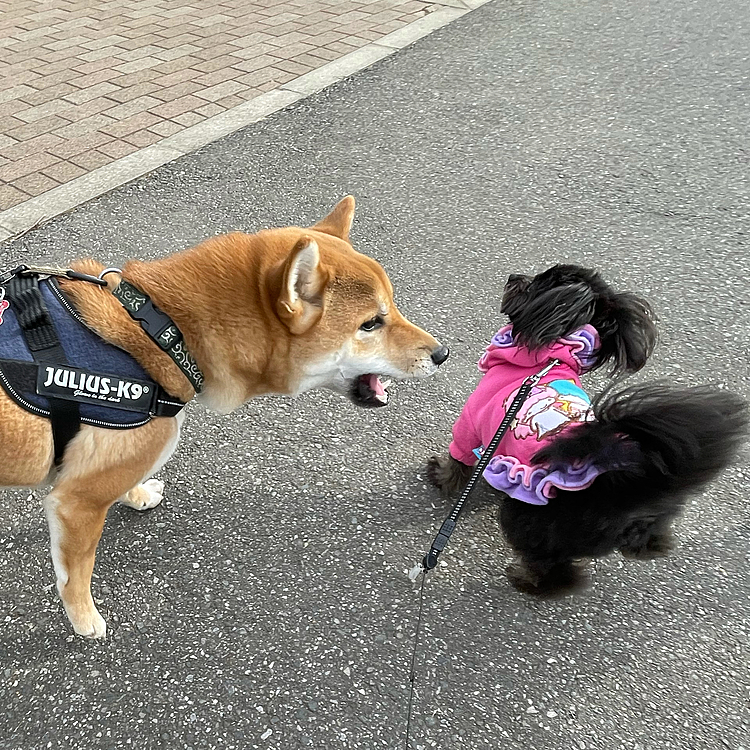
[{"x": 85, "y": 82}]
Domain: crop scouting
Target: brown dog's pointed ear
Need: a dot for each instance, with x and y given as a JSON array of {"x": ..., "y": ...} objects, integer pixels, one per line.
[
  {"x": 339, "y": 221},
  {"x": 300, "y": 302}
]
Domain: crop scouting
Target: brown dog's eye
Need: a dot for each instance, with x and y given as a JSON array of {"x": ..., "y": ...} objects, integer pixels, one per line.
[{"x": 372, "y": 324}]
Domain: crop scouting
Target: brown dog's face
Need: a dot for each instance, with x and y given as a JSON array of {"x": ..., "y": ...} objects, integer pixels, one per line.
[{"x": 347, "y": 332}]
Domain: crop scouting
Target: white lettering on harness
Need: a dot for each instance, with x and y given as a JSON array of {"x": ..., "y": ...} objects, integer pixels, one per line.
[{"x": 93, "y": 386}]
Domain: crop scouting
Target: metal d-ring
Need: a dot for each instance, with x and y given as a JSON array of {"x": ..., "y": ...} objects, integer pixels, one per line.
[{"x": 108, "y": 270}]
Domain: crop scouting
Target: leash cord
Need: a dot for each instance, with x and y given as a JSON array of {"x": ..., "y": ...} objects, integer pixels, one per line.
[
  {"x": 413, "y": 671},
  {"x": 430, "y": 560},
  {"x": 438, "y": 545}
]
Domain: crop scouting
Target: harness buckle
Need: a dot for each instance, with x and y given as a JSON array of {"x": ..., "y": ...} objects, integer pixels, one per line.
[
  {"x": 11, "y": 273},
  {"x": 157, "y": 324}
]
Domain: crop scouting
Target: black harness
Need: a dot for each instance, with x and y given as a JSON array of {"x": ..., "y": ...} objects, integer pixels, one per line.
[
  {"x": 39, "y": 332},
  {"x": 67, "y": 390}
]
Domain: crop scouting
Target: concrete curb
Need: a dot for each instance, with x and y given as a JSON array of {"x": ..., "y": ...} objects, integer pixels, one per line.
[{"x": 61, "y": 199}]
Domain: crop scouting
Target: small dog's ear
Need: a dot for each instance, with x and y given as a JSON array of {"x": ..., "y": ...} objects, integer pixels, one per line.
[
  {"x": 628, "y": 332},
  {"x": 544, "y": 318}
]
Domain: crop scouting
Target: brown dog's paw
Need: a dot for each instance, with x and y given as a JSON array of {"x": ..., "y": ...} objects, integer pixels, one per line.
[{"x": 447, "y": 474}]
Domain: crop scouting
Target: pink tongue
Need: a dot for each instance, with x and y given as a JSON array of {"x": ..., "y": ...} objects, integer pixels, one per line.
[{"x": 373, "y": 381}]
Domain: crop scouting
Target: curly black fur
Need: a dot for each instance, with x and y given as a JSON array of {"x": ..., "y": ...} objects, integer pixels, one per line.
[
  {"x": 564, "y": 298},
  {"x": 655, "y": 444}
]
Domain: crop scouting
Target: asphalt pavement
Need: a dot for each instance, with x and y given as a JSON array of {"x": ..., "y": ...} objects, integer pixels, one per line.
[{"x": 265, "y": 603}]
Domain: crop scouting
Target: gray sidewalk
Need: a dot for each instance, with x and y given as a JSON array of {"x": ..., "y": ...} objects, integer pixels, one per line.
[{"x": 268, "y": 593}]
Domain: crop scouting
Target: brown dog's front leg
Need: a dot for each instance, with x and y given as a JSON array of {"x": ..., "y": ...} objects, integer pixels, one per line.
[
  {"x": 99, "y": 467},
  {"x": 75, "y": 527}
]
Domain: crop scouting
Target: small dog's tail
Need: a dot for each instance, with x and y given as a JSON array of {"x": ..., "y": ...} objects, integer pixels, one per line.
[{"x": 667, "y": 440}]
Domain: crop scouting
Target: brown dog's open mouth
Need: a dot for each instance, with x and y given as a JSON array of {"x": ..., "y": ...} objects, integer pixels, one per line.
[{"x": 370, "y": 391}]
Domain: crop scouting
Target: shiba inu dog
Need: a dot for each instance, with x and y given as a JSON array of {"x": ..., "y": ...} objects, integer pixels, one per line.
[{"x": 278, "y": 312}]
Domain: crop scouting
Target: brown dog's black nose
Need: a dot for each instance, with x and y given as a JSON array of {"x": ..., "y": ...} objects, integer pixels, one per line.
[{"x": 440, "y": 354}]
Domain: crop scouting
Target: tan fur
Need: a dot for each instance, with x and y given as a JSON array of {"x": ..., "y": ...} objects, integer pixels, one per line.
[{"x": 275, "y": 312}]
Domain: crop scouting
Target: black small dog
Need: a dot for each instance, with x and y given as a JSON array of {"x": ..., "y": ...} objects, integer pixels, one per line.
[{"x": 647, "y": 447}]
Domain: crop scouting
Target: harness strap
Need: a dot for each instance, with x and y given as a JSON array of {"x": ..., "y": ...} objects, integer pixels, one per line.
[
  {"x": 160, "y": 328},
  {"x": 39, "y": 333},
  {"x": 26, "y": 374}
]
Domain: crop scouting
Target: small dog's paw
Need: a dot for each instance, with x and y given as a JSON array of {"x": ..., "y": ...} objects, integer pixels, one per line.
[
  {"x": 654, "y": 547},
  {"x": 561, "y": 580},
  {"x": 435, "y": 471},
  {"x": 519, "y": 578},
  {"x": 447, "y": 474},
  {"x": 145, "y": 496}
]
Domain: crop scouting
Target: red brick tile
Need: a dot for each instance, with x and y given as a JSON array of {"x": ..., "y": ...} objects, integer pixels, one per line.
[
  {"x": 27, "y": 165},
  {"x": 221, "y": 90},
  {"x": 63, "y": 171},
  {"x": 289, "y": 66},
  {"x": 172, "y": 79},
  {"x": 167, "y": 127},
  {"x": 135, "y": 79},
  {"x": 10, "y": 196},
  {"x": 218, "y": 76},
  {"x": 170, "y": 93},
  {"x": 172, "y": 66},
  {"x": 177, "y": 107},
  {"x": 81, "y": 96},
  {"x": 129, "y": 93},
  {"x": 83, "y": 84},
  {"x": 21, "y": 149},
  {"x": 142, "y": 138},
  {"x": 257, "y": 77},
  {"x": 117, "y": 149},
  {"x": 91, "y": 160},
  {"x": 188, "y": 119},
  {"x": 91, "y": 79},
  {"x": 132, "y": 124},
  {"x": 47, "y": 125},
  {"x": 82, "y": 127},
  {"x": 70, "y": 148},
  {"x": 209, "y": 110},
  {"x": 255, "y": 63},
  {"x": 35, "y": 184}
]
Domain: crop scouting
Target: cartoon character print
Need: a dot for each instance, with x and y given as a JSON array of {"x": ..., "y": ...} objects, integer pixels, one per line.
[
  {"x": 549, "y": 409},
  {"x": 4, "y": 304}
]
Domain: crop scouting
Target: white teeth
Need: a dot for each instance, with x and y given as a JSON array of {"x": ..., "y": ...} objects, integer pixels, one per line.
[
  {"x": 382, "y": 397},
  {"x": 387, "y": 383}
]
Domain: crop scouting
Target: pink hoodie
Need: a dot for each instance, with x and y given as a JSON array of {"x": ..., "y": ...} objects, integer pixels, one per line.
[{"x": 556, "y": 404}]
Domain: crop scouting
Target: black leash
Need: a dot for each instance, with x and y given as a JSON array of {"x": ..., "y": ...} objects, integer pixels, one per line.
[
  {"x": 50, "y": 271},
  {"x": 430, "y": 560},
  {"x": 413, "y": 670}
]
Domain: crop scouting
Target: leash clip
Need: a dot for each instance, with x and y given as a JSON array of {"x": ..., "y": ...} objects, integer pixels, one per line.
[
  {"x": 534, "y": 379},
  {"x": 6, "y": 276},
  {"x": 111, "y": 269},
  {"x": 58, "y": 271}
]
